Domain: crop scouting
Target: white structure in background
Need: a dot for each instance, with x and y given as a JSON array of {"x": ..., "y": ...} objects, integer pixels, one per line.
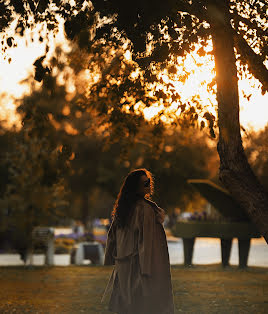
[
  {"x": 89, "y": 251},
  {"x": 185, "y": 216},
  {"x": 62, "y": 231}
]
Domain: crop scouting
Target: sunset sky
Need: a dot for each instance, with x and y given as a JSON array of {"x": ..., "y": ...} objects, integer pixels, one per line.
[{"x": 253, "y": 113}]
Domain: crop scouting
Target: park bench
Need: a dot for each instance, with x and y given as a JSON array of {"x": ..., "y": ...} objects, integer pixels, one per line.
[{"x": 235, "y": 224}]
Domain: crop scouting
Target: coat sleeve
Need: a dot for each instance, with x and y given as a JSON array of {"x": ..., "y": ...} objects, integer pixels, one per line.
[
  {"x": 160, "y": 214},
  {"x": 146, "y": 233},
  {"x": 110, "y": 250}
]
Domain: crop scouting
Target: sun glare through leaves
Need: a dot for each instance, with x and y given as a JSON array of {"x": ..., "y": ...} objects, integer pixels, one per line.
[{"x": 186, "y": 84}]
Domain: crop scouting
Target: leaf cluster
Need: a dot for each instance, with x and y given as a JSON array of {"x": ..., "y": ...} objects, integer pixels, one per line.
[{"x": 172, "y": 27}]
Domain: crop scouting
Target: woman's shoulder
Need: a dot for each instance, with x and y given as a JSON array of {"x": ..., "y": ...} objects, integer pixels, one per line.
[
  {"x": 150, "y": 202},
  {"x": 145, "y": 205},
  {"x": 144, "y": 202}
]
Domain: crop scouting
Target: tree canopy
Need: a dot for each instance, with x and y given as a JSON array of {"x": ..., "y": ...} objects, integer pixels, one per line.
[{"x": 155, "y": 32}]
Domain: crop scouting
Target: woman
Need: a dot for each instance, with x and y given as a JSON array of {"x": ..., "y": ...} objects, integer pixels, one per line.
[{"x": 136, "y": 245}]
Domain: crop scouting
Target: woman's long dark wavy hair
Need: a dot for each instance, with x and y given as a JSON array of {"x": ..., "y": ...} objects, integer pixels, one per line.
[{"x": 128, "y": 196}]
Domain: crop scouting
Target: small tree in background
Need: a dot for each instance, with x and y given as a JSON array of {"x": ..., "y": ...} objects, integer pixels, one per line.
[{"x": 36, "y": 192}]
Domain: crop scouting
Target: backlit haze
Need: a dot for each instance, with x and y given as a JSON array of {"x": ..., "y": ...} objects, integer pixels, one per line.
[{"x": 253, "y": 112}]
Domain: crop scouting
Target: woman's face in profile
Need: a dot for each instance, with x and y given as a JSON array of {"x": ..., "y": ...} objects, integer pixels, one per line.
[{"x": 145, "y": 186}]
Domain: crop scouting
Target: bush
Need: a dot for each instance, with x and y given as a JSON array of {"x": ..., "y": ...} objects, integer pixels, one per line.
[
  {"x": 61, "y": 250},
  {"x": 64, "y": 245}
]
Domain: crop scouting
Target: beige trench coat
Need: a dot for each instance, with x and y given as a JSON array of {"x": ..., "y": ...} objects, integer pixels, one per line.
[{"x": 140, "y": 282}]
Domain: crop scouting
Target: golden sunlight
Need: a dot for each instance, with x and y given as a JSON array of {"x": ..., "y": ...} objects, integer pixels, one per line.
[
  {"x": 193, "y": 76},
  {"x": 194, "y": 73},
  {"x": 17, "y": 65}
]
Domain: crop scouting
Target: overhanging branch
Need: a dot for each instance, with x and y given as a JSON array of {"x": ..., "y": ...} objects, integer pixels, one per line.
[
  {"x": 256, "y": 66},
  {"x": 252, "y": 24}
]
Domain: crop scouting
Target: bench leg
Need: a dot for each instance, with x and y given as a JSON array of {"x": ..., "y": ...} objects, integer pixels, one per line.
[
  {"x": 188, "y": 247},
  {"x": 243, "y": 247},
  {"x": 226, "y": 245}
]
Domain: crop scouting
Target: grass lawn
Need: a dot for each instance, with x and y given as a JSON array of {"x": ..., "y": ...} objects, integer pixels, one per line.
[{"x": 78, "y": 289}]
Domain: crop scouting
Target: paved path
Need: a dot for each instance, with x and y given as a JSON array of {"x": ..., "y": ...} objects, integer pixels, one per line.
[{"x": 206, "y": 251}]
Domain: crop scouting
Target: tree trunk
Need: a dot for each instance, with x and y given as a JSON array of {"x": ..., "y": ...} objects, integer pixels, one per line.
[
  {"x": 85, "y": 209},
  {"x": 235, "y": 172}
]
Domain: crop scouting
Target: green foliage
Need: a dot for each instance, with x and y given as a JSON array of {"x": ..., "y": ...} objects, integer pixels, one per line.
[
  {"x": 175, "y": 156},
  {"x": 175, "y": 26},
  {"x": 169, "y": 29},
  {"x": 172, "y": 28},
  {"x": 103, "y": 142},
  {"x": 109, "y": 103},
  {"x": 97, "y": 163},
  {"x": 40, "y": 71},
  {"x": 36, "y": 192},
  {"x": 63, "y": 245}
]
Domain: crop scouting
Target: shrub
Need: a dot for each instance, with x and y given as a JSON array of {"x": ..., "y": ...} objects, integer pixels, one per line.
[{"x": 61, "y": 250}]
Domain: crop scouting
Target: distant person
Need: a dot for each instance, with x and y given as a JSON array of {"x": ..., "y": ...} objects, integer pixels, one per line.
[
  {"x": 166, "y": 221},
  {"x": 173, "y": 218},
  {"x": 136, "y": 245},
  {"x": 78, "y": 227}
]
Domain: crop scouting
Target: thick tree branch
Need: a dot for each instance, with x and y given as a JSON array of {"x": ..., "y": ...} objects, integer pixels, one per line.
[{"x": 256, "y": 66}]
